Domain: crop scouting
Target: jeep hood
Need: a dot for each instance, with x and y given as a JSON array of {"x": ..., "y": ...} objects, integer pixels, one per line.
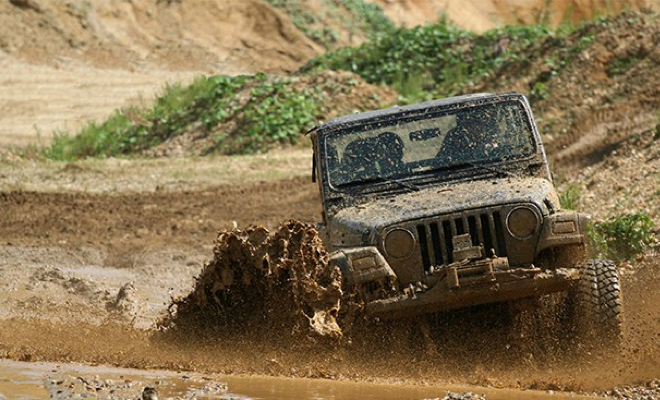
[{"x": 438, "y": 200}]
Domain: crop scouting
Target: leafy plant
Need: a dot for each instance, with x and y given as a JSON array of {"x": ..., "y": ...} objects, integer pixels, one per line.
[
  {"x": 540, "y": 91},
  {"x": 623, "y": 237},
  {"x": 275, "y": 112}
]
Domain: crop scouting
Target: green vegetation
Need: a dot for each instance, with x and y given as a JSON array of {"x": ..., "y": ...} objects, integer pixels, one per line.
[
  {"x": 620, "y": 66},
  {"x": 623, "y": 237},
  {"x": 137, "y": 129},
  {"x": 264, "y": 111},
  {"x": 570, "y": 197},
  {"x": 357, "y": 17},
  {"x": 449, "y": 58},
  {"x": 248, "y": 114}
]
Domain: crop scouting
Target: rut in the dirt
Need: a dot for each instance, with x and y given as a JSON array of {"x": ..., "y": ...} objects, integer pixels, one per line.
[{"x": 258, "y": 280}]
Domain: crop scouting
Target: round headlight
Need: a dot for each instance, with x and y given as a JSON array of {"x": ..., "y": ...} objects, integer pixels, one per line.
[
  {"x": 399, "y": 243},
  {"x": 522, "y": 222}
]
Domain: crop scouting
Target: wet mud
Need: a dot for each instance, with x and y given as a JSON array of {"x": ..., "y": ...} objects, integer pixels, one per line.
[
  {"x": 74, "y": 381},
  {"x": 275, "y": 290},
  {"x": 67, "y": 296}
]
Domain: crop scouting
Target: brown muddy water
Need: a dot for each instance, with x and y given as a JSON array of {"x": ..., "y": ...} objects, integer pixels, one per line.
[{"x": 32, "y": 381}]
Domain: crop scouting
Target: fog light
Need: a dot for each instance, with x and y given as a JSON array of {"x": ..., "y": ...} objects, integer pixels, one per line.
[
  {"x": 399, "y": 243},
  {"x": 522, "y": 222}
]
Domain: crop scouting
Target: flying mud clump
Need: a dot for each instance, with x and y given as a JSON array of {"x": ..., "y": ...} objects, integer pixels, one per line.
[{"x": 258, "y": 280}]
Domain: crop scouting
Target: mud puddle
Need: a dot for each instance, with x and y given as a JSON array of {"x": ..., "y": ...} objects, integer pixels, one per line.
[{"x": 30, "y": 381}]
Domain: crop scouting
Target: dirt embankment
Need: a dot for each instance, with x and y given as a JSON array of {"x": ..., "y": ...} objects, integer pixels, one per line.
[
  {"x": 603, "y": 96},
  {"x": 481, "y": 15},
  {"x": 64, "y": 63},
  {"x": 203, "y": 35}
]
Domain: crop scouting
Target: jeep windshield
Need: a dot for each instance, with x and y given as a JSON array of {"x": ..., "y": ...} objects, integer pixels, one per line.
[{"x": 389, "y": 150}]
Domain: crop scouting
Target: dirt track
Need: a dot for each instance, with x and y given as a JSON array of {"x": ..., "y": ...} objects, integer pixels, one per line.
[
  {"x": 103, "y": 265},
  {"x": 187, "y": 219}
]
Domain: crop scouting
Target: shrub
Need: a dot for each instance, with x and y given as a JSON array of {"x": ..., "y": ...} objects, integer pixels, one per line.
[
  {"x": 448, "y": 55},
  {"x": 623, "y": 237}
]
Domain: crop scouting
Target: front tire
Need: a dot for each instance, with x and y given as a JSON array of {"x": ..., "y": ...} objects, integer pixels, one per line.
[{"x": 598, "y": 305}]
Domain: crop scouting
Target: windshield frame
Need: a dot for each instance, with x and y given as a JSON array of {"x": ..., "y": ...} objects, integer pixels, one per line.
[{"x": 436, "y": 174}]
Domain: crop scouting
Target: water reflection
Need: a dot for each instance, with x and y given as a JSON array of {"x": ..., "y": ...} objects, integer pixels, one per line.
[{"x": 32, "y": 381}]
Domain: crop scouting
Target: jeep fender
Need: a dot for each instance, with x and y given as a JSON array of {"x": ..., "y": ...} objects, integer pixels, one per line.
[
  {"x": 362, "y": 264},
  {"x": 563, "y": 229}
]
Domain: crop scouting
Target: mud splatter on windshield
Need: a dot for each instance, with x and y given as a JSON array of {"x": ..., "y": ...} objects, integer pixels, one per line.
[{"x": 409, "y": 146}]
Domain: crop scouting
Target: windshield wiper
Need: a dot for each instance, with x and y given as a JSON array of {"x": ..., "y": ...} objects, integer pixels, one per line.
[{"x": 378, "y": 179}]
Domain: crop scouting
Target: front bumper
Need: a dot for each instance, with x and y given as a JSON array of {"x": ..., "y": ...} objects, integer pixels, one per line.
[{"x": 489, "y": 287}]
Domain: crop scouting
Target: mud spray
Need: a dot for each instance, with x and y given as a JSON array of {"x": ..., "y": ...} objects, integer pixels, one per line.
[
  {"x": 277, "y": 283},
  {"x": 274, "y": 295},
  {"x": 268, "y": 303}
]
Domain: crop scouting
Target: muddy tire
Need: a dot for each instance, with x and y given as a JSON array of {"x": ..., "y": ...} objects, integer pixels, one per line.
[{"x": 597, "y": 301}]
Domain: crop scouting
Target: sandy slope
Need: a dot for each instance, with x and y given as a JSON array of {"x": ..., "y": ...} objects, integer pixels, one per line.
[
  {"x": 202, "y": 34},
  {"x": 481, "y": 15},
  {"x": 36, "y": 100},
  {"x": 63, "y": 63}
]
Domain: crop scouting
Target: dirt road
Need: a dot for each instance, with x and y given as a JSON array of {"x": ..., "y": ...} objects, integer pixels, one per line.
[
  {"x": 88, "y": 269},
  {"x": 38, "y": 100}
]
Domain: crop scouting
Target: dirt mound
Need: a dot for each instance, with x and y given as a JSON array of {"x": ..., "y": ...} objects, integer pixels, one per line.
[
  {"x": 480, "y": 15},
  {"x": 263, "y": 282},
  {"x": 202, "y": 35}
]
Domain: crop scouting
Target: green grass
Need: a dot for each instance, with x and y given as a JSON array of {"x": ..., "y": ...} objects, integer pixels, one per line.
[
  {"x": 623, "y": 237},
  {"x": 451, "y": 59},
  {"x": 136, "y": 129},
  {"x": 570, "y": 197},
  {"x": 265, "y": 111}
]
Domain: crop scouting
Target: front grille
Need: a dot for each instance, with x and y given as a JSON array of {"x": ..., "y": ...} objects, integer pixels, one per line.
[{"x": 435, "y": 237}]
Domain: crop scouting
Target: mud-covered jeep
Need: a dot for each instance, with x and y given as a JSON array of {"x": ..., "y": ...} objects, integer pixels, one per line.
[{"x": 450, "y": 203}]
